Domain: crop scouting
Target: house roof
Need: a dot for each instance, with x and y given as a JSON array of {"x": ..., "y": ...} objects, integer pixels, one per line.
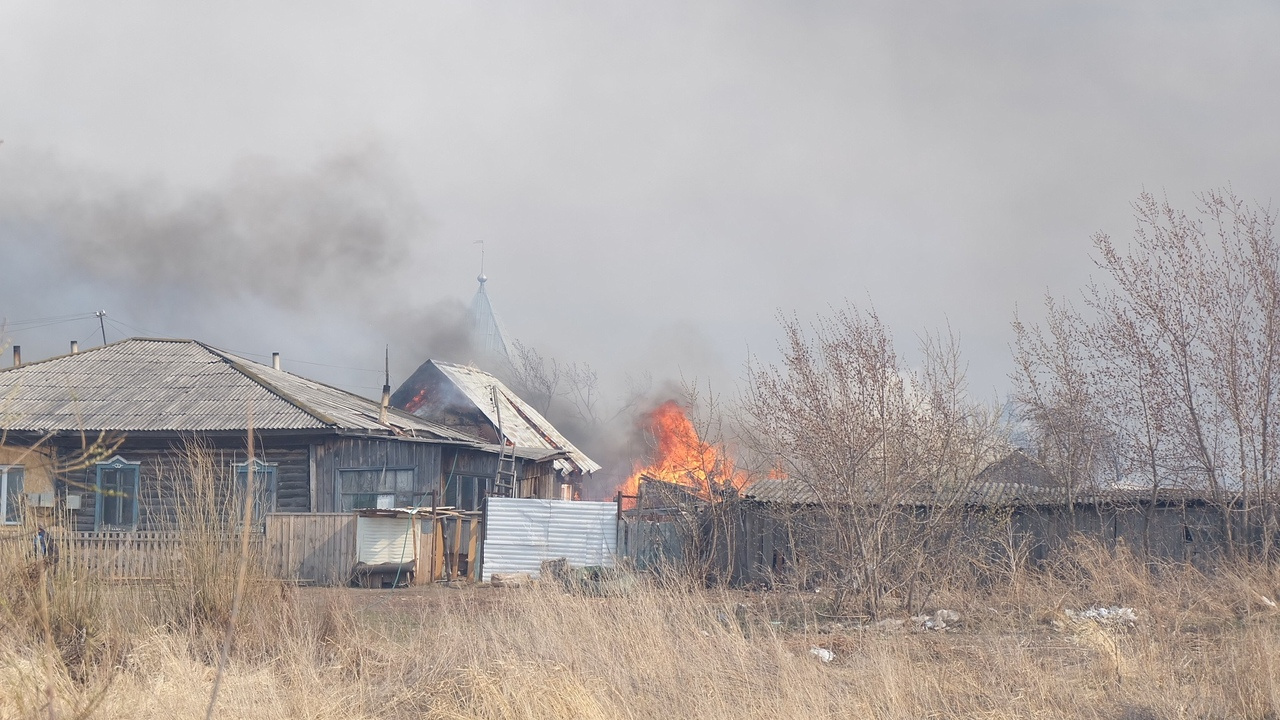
[
  {"x": 144, "y": 384},
  {"x": 1016, "y": 480},
  {"x": 791, "y": 491},
  {"x": 521, "y": 424}
]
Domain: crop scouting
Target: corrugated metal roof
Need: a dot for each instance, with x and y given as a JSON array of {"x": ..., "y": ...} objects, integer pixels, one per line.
[
  {"x": 143, "y": 384},
  {"x": 521, "y": 424},
  {"x": 984, "y": 492},
  {"x": 340, "y": 408}
]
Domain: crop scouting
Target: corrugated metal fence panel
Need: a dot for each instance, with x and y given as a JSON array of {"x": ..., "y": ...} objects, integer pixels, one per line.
[
  {"x": 385, "y": 540},
  {"x": 521, "y": 533},
  {"x": 584, "y": 532}
]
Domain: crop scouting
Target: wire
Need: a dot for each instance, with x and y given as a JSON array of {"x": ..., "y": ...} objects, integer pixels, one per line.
[
  {"x": 52, "y": 319},
  {"x": 27, "y": 325}
]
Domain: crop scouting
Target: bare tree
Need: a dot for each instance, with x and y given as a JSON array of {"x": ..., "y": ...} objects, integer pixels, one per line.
[
  {"x": 886, "y": 455},
  {"x": 1174, "y": 362},
  {"x": 537, "y": 380}
]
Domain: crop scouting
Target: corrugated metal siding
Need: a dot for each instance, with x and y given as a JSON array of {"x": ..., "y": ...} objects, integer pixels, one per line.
[
  {"x": 521, "y": 533},
  {"x": 385, "y": 540}
]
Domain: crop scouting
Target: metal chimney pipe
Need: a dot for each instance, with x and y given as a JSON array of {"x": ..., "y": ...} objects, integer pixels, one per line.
[
  {"x": 17, "y": 355},
  {"x": 386, "y": 386},
  {"x": 275, "y": 361},
  {"x": 75, "y": 347}
]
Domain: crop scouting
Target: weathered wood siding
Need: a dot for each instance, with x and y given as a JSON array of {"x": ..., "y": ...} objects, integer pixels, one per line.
[
  {"x": 162, "y": 466},
  {"x": 346, "y": 453},
  {"x": 475, "y": 463}
]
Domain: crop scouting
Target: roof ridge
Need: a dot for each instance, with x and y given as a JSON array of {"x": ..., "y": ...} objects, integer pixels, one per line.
[
  {"x": 92, "y": 349},
  {"x": 249, "y": 367},
  {"x": 240, "y": 365}
]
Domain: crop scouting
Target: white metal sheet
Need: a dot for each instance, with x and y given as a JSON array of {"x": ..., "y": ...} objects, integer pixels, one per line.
[
  {"x": 384, "y": 540},
  {"x": 521, "y": 532}
]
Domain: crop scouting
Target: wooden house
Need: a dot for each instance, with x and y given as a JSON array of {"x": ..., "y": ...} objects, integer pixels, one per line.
[
  {"x": 317, "y": 449},
  {"x": 469, "y": 400}
]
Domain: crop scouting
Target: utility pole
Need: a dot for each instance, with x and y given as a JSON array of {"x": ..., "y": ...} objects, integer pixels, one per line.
[{"x": 102, "y": 325}]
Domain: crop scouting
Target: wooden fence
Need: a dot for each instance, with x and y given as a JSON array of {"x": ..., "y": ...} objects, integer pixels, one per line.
[
  {"x": 141, "y": 555},
  {"x": 307, "y": 548},
  {"x": 312, "y": 548}
]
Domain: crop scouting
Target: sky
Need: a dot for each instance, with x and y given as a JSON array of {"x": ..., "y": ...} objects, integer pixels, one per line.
[{"x": 652, "y": 183}]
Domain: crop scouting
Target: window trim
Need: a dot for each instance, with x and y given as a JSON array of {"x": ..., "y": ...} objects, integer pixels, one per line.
[
  {"x": 337, "y": 484},
  {"x": 4, "y": 493},
  {"x": 260, "y": 469},
  {"x": 116, "y": 463}
]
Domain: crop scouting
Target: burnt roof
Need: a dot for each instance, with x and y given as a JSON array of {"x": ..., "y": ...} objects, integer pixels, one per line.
[
  {"x": 522, "y": 425},
  {"x": 158, "y": 385}
]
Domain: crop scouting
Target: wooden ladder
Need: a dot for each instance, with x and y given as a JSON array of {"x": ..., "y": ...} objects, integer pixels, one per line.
[{"x": 504, "y": 480}]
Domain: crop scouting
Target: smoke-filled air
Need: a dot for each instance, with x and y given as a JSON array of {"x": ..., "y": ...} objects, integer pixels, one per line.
[{"x": 883, "y": 359}]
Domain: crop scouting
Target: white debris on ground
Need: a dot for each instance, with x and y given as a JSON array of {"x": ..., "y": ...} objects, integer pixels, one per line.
[
  {"x": 1114, "y": 616},
  {"x": 939, "y": 620},
  {"x": 822, "y": 654}
]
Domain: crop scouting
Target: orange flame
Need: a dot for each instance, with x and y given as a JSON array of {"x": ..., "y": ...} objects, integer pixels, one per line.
[{"x": 683, "y": 458}]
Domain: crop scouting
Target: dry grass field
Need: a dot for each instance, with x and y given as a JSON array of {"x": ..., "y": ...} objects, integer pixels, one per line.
[{"x": 1199, "y": 647}]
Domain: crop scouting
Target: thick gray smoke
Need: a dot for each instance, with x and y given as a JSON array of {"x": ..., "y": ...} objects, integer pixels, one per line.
[
  {"x": 327, "y": 262},
  {"x": 339, "y": 232}
]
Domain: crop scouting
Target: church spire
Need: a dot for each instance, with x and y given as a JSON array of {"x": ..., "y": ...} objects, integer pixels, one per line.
[{"x": 488, "y": 335}]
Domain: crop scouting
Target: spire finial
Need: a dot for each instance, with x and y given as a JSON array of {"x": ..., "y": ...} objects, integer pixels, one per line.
[{"x": 481, "y": 278}]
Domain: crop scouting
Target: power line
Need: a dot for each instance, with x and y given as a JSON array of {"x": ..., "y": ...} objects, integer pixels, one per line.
[
  {"x": 36, "y": 324},
  {"x": 50, "y": 319}
]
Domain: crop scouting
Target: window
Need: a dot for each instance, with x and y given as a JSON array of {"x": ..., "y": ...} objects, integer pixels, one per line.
[
  {"x": 117, "y": 495},
  {"x": 264, "y": 488},
  {"x": 465, "y": 492},
  {"x": 377, "y": 488},
  {"x": 11, "y": 477}
]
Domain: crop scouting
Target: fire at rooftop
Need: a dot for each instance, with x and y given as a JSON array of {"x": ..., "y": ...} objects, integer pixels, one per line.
[{"x": 683, "y": 458}]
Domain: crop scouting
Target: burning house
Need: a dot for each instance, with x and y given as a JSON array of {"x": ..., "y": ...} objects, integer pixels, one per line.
[{"x": 534, "y": 460}]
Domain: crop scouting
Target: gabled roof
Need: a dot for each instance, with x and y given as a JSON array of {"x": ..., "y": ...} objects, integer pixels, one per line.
[
  {"x": 143, "y": 384},
  {"x": 523, "y": 426}
]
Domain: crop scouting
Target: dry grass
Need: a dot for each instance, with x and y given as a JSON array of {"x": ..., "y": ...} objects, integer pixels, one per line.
[{"x": 1202, "y": 647}]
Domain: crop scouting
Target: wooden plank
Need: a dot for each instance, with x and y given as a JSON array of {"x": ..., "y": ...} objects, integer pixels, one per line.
[{"x": 471, "y": 548}]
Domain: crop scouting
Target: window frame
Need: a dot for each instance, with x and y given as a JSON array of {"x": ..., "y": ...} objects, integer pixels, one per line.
[
  {"x": 341, "y": 493},
  {"x": 5, "y": 474},
  {"x": 116, "y": 463},
  {"x": 261, "y": 469},
  {"x": 480, "y": 487}
]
